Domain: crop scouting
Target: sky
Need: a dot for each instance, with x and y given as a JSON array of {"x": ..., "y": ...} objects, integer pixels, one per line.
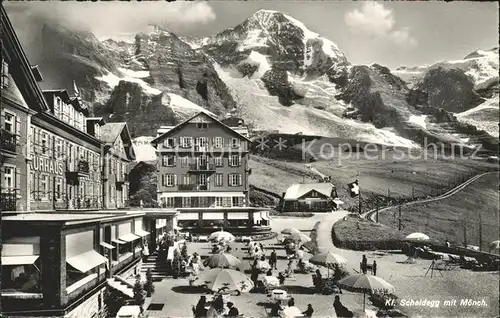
[{"x": 396, "y": 33}]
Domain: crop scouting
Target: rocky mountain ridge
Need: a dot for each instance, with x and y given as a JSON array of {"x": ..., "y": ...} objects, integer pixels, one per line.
[{"x": 278, "y": 75}]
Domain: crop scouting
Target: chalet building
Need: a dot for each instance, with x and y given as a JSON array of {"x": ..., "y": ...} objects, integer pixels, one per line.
[
  {"x": 309, "y": 197},
  {"x": 203, "y": 173},
  {"x": 118, "y": 153}
]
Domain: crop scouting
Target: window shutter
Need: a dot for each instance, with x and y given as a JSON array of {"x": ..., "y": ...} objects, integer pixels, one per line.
[
  {"x": 18, "y": 130},
  {"x": 18, "y": 179},
  {"x": 175, "y": 160},
  {"x": 229, "y": 180},
  {"x": 175, "y": 179},
  {"x": 239, "y": 180},
  {"x": 162, "y": 179},
  {"x": 239, "y": 161},
  {"x": 2, "y": 119}
]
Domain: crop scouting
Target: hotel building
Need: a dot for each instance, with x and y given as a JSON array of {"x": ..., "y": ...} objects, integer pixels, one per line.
[
  {"x": 59, "y": 249},
  {"x": 203, "y": 173}
]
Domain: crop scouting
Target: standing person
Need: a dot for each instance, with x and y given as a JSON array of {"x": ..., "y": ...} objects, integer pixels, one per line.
[
  {"x": 200, "y": 310},
  {"x": 374, "y": 268},
  {"x": 281, "y": 278},
  {"x": 364, "y": 264},
  {"x": 447, "y": 243},
  {"x": 254, "y": 276},
  {"x": 273, "y": 259},
  {"x": 289, "y": 269}
]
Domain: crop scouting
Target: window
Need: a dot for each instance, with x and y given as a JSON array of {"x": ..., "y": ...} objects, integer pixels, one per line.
[
  {"x": 185, "y": 142},
  {"x": 44, "y": 187},
  {"x": 186, "y": 179},
  {"x": 202, "y": 179},
  {"x": 234, "y": 160},
  {"x": 59, "y": 187},
  {"x": 202, "y": 125},
  {"x": 186, "y": 202},
  {"x": 9, "y": 177},
  {"x": 219, "y": 179},
  {"x": 236, "y": 201},
  {"x": 203, "y": 141},
  {"x": 169, "y": 180},
  {"x": 9, "y": 122},
  {"x": 234, "y": 179},
  {"x": 5, "y": 74},
  {"x": 169, "y": 143},
  {"x": 185, "y": 161},
  {"x": 314, "y": 194},
  {"x": 235, "y": 142},
  {"x": 59, "y": 151},
  {"x": 219, "y": 161},
  {"x": 218, "y": 142},
  {"x": 44, "y": 143},
  {"x": 168, "y": 160},
  {"x": 218, "y": 201},
  {"x": 170, "y": 202}
]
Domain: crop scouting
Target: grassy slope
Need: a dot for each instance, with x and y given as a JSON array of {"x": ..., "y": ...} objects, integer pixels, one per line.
[
  {"x": 442, "y": 219},
  {"x": 424, "y": 177}
]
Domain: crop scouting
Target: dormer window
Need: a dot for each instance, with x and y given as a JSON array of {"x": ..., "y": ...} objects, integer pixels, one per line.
[
  {"x": 202, "y": 126},
  {"x": 169, "y": 143},
  {"x": 235, "y": 142}
]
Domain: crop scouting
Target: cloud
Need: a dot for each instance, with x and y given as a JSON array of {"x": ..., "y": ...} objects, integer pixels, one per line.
[
  {"x": 377, "y": 22},
  {"x": 104, "y": 18}
]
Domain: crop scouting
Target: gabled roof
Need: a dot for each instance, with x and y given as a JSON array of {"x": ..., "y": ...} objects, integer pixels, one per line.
[
  {"x": 19, "y": 67},
  {"x": 298, "y": 190},
  {"x": 176, "y": 128},
  {"x": 111, "y": 131},
  {"x": 59, "y": 92}
]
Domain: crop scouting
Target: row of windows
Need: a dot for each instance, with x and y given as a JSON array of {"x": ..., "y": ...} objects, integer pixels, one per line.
[
  {"x": 171, "y": 180},
  {"x": 44, "y": 187},
  {"x": 188, "y": 142},
  {"x": 69, "y": 114},
  {"x": 185, "y": 161},
  {"x": 201, "y": 202},
  {"x": 49, "y": 145},
  {"x": 116, "y": 166}
]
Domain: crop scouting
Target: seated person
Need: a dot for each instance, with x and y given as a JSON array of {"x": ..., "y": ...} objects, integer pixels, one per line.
[
  {"x": 291, "y": 302},
  {"x": 341, "y": 310},
  {"x": 309, "y": 311},
  {"x": 281, "y": 278},
  {"x": 233, "y": 311},
  {"x": 275, "y": 310},
  {"x": 269, "y": 272}
]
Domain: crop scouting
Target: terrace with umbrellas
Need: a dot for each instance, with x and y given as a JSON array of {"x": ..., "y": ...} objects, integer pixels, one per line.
[{"x": 282, "y": 277}]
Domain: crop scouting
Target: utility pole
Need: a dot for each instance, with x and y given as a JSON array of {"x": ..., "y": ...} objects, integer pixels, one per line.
[
  {"x": 480, "y": 232},
  {"x": 376, "y": 215},
  {"x": 465, "y": 233},
  {"x": 399, "y": 218}
]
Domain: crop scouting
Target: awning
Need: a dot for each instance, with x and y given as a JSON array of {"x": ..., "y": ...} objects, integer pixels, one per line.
[
  {"x": 129, "y": 237},
  {"x": 86, "y": 261},
  {"x": 19, "y": 260},
  {"x": 264, "y": 216},
  {"x": 106, "y": 245},
  {"x": 202, "y": 194},
  {"x": 141, "y": 232},
  {"x": 183, "y": 216},
  {"x": 237, "y": 216},
  {"x": 117, "y": 241},
  {"x": 213, "y": 216}
]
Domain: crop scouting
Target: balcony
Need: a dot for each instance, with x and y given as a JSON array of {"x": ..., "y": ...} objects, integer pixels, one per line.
[
  {"x": 8, "y": 141},
  {"x": 121, "y": 178},
  {"x": 74, "y": 170},
  {"x": 205, "y": 167},
  {"x": 193, "y": 187},
  {"x": 8, "y": 200}
]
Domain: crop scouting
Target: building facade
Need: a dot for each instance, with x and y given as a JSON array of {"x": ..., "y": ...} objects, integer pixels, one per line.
[
  {"x": 118, "y": 153},
  {"x": 310, "y": 197},
  {"x": 65, "y": 165}
]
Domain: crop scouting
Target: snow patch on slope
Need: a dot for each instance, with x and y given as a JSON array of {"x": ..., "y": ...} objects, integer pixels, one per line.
[
  {"x": 255, "y": 58},
  {"x": 418, "y": 120},
  {"x": 265, "y": 112},
  {"x": 483, "y": 116},
  {"x": 143, "y": 149},
  {"x": 182, "y": 105},
  {"x": 134, "y": 74},
  {"x": 112, "y": 80}
]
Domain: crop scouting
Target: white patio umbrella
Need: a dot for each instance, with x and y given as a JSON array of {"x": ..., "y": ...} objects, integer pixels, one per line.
[
  {"x": 221, "y": 236},
  {"x": 228, "y": 279},
  {"x": 328, "y": 259},
  {"x": 290, "y": 230},
  {"x": 417, "y": 237},
  {"x": 364, "y": 283},
  {"x": 301, "y": 238}
]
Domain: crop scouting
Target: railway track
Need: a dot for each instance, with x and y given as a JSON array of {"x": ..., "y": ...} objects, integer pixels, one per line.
[{"x": 370, "y": 215}]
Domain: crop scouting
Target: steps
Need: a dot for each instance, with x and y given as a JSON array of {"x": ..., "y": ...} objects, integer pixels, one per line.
[
  {"x": 121, "y": 285},
  {"x": 158, "y": 270}
]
